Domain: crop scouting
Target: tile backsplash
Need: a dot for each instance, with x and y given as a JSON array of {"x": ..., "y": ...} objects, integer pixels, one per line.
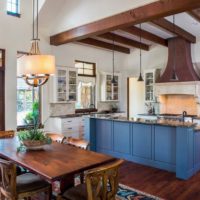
[
  {"x": 106, "y": 105},
  {"x": 57, "y": 109},
  {"x": 176, "y": 104}
]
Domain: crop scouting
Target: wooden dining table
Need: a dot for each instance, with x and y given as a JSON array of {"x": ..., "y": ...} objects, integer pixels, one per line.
[{"x": 55, "y": 161}]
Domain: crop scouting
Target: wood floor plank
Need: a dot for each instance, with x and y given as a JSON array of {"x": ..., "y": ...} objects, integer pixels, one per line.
[{"x": 159, "y": 182}]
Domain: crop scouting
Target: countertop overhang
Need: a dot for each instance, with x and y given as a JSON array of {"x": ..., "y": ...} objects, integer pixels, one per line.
[{"x": 161, "y": 122}]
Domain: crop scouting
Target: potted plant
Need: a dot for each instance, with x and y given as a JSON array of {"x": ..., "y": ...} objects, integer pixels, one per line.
[{"x": 33, "y": 138}]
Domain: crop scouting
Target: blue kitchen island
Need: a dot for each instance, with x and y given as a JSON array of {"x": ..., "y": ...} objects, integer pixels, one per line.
[{"x": 168, "y": 145}]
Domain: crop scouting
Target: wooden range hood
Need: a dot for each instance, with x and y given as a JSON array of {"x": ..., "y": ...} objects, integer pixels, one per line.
[{"x": 184, "y": 67}]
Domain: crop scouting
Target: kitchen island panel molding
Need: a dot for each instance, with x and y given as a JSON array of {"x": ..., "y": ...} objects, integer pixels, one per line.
[
  {"x": 142, "y": 141},
  {"x": 104, "y": 137},
  {"x": 165, "y": 144},
  {"x": 168, "y": 147},
  {"x": 122, "y": 142}
]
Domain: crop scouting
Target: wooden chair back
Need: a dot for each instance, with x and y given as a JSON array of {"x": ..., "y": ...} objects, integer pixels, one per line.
[
  {"x": 80, "y": 143},
  {"x": 56, "y": 137},
  {"x": 7, "y": 180},
  {"x": 7, "y": 134},
  {"x": 102, "y": 182}
]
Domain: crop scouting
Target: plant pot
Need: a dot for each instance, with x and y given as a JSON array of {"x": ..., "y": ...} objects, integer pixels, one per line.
[{"x": 34, "y": 144}]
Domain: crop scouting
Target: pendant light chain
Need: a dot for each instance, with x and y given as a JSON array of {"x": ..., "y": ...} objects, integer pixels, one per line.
[
  {"x": 33, "y": 19},
  {"x": 174, "y": 26},
  {"x": 113, "y": 56},
  {"x": 140, "y": 48},
  {"x": 37, "y": 21},
  {"x": 140, "y": 75},
  {"x": 35, "y": 26},
  {"x": 174, "y": 75}
]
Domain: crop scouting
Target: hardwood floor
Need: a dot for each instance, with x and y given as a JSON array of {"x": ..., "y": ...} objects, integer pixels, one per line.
[{"x": 160, "y": 183}]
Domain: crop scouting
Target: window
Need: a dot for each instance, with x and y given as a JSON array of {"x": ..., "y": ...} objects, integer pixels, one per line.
[
  {"x": 28, "y": 98},
  {"x": 86, "y": 68},
  {"x": 13, "y": 7},
  {"x": 86, "y": 85}
]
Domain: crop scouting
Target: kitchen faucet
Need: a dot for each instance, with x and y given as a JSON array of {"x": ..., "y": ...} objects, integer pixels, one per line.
[{"x": 183, "y": 115}]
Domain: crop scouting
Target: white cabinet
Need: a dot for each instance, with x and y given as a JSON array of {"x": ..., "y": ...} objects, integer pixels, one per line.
[
  {"x": 109, "y": 91},
  {"x": 150, "y": 77},
  {"x": 70, "y": 127},
  {"x": 63, "y": 85}
]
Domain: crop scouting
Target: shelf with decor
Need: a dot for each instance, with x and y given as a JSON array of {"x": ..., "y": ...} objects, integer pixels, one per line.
[{"x": 63, "y": 85}]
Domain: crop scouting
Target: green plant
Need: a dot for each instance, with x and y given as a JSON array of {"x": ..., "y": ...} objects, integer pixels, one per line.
[
  {"x": 32, "y": 118},
  {"x": 33, "y": 133}
]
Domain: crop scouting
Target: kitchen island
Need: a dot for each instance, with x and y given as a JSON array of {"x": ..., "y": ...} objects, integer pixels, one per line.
[{"x": 170, "y": 145}]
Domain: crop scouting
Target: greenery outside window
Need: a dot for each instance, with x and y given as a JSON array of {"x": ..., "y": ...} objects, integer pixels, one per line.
[
  {"x": 13, "y": 7},
  {"x": 28, "y": 98}
]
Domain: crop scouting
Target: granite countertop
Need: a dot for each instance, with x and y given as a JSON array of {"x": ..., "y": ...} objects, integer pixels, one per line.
[
  {"x": 83, "y": 114},
  {"x": 162, "y": 122}
]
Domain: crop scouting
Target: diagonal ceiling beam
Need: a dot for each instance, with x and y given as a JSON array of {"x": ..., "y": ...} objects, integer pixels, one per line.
[
  {"x": 146, "y": 35},
  {"x": 167, "y": 25},
  {"x": 145, "y": 13},
  {"x": 105, "y": 45},
  {"x": 195, "y": 14},
  {"x": 124, "y": 40}
]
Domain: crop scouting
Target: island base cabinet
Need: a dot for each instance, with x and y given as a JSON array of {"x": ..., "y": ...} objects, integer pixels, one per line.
[
  {"x": 175, "y": 149},
  {"x": 142, "y": 141}
]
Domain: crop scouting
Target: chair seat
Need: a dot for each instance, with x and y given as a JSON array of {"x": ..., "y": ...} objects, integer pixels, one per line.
[
  {"x": 76, "y": 193},
  {"x": 30, "y": 182}
]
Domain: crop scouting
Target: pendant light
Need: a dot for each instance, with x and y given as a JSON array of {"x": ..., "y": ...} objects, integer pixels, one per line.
[
  {"x": 140, "y": 79},
  {"x": 113, "y": 75},
  {"x": 174, "y": 76},
  {"x": 35, "y": 67}
]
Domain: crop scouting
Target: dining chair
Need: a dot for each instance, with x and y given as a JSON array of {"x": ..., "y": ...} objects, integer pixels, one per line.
[
  {"x": 7, "y": 134},
  {"x": 56, "y": 137},
  {"x": 25, "y": 186},
  {"x": 11, "y": 134},
  {"x": 101, "y": 183},
  {"x": 81, "y": 143}
]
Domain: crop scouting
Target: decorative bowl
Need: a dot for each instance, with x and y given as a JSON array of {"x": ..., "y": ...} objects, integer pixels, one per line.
[{"x": 34, "y": 144}]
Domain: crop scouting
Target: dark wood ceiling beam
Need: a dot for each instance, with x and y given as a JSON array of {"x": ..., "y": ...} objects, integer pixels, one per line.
[
  {"x": 195, "y": 14},
  {"x": 167, "y": 25},
  {"x": 146, "y": 35},
  {"x": 105, "y": 45},
  {"x": 124, "y": 40},
  {"x": 145, "y": 13}
]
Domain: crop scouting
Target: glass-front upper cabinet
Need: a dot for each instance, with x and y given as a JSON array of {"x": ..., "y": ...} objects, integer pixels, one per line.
[
  {"x": 72, "y": 96},
  {"x": 63, "y": 85},
  {"x": 150, "y": 77},
  {"x": 109, "y": 91}
]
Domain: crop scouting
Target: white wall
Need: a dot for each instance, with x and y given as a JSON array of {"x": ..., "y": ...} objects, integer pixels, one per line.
[
  {"x": 67, "y": 54},
  {"x": 15, "y": 35}
]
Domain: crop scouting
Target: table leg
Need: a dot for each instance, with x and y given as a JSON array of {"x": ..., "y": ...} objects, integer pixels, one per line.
[{"x": 66, "y": 182}]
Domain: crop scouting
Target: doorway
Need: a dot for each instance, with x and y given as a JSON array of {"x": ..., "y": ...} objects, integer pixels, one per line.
[
  {"x": 2, "y": 89},
  {"x": 135, "y": 97}
]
